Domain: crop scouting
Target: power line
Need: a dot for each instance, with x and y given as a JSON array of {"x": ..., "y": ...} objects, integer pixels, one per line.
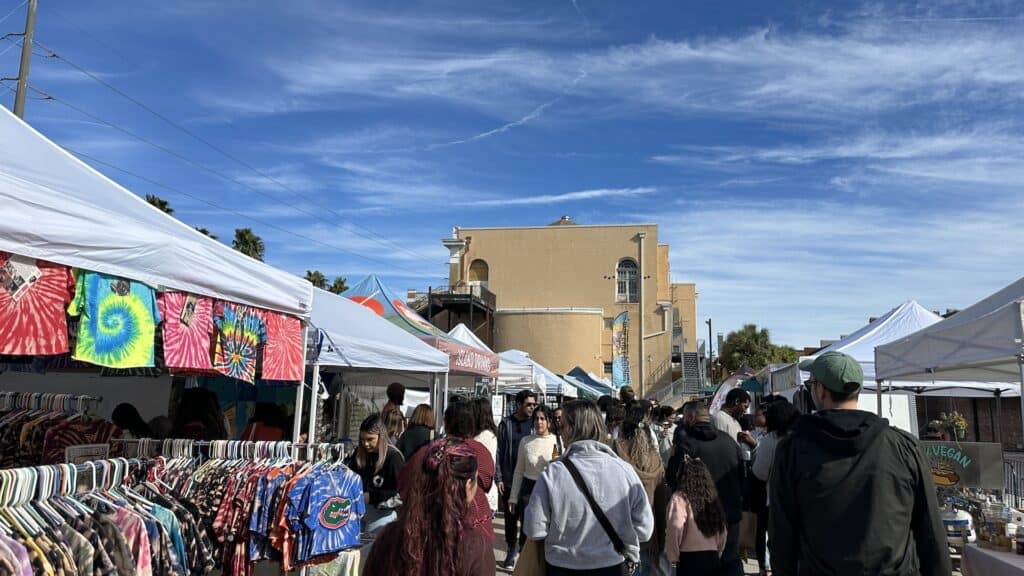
[
  {"x": 166, "y": 150},
  {"x": 259, "y": 221},
  {"x": 377, "y": 238},
  {"x": 11, "y": 13}
]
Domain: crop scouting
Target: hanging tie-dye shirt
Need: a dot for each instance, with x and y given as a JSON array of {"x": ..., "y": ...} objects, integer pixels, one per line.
[
  {"x": 33, "y": 295},
  {"x": 188, "y": 331},
  {"x": 283, "y": 357},
  {"x": 119, "y": 319},
  {"x": 240, "y": 332}
]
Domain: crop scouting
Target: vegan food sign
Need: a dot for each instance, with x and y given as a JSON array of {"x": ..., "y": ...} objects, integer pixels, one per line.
[{"x": 965, "y": 464}]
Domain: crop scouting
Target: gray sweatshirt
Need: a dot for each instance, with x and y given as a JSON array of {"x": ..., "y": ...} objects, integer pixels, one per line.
[{"x": 559, "y": 514}]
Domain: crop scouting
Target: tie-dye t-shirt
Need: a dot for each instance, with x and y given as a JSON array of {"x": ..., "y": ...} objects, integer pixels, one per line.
[
  {"x": 188, "y": 331},
  {"x": 240, "y": 332},
  {"x": 33, "y": 295},
  {"x": 325, "y": 509},
  {"x": 119, "y": 319},
  {"x": 282, "y": 356}
]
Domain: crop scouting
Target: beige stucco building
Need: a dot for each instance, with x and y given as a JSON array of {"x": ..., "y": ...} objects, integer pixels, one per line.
[{"x": 559, "y": 287}]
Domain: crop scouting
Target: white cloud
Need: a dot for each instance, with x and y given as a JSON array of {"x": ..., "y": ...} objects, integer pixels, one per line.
[
  {"x": 814, "y": 269},
  {"x": 577, "y": 196}
]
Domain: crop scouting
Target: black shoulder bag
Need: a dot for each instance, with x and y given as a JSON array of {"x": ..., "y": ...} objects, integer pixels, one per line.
[{"x": 629, "y": 566}]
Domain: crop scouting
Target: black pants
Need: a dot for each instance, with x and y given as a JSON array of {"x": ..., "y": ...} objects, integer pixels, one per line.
[
  {"x": 511, "y": 520},
  {"x": 524, "y": 498},
  {"x": 698, "y": 564},
  {"x": 609, "y": 571},
  {"x": 761, "y": 539},
  {"x": 732, "y": 564}
]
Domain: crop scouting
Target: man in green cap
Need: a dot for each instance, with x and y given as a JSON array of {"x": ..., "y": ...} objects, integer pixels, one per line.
[{"x": 850, "y": 494}]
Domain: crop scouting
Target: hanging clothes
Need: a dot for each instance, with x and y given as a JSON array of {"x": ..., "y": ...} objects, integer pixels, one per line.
[
  {"x": 187, "y": 331},
  {"x": 119, "y": 318},
  {"x": 283, "y": 356},
  {"x": 35, "y": 435},
  {"x": 240, "y": 333},
  {"x": 33, "y": 296}
]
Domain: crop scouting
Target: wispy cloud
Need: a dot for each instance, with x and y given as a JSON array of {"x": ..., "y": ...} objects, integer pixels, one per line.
[{"x": 598, "y": 193}]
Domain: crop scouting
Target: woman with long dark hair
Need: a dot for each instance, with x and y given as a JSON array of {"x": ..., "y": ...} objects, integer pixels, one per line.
[
  {"x": 378, "y": 463},
  {"x": 431, "y": 536},
  {"x": 637, "y": 446},
  {"x": 487, "y": 434},
  {"x": 418, "y": 434},
  {"x": 535, "y": 452},
  {"x": 780, "y": 417},
  {"x": 696, "y": 531}
]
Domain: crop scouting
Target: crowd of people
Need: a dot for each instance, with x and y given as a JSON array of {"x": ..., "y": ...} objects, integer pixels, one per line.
[{"x": 624, "y": 486}]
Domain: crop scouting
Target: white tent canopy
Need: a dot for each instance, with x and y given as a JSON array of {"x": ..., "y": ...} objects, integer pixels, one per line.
[
  {"x": 546, "y": 380},
  {"x": 983, "y": 342},
  {"x": 905, "y": 319},
  {"x": 355, "y": 337},
  {"x": 513, "y": 375},
  {"x": 57, "y": 208}
]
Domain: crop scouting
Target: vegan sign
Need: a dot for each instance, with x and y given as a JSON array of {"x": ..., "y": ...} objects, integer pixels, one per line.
[{"x": 965, "y": 464}]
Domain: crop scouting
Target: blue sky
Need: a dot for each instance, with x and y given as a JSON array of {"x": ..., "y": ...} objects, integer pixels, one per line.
[{"x": 811, "y": 164}]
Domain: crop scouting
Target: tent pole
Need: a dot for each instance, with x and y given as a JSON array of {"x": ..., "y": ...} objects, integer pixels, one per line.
[
  {"x": 878, "y": 393},
  {"x": 300, "y": 390},
  {"x": 1020, "y": 367},
  {"x": 999, "y": 416},
  {"x": 314, "y": 401}
]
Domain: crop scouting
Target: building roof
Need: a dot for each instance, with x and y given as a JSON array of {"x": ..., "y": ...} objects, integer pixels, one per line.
[
  {"x": 563, "y": 221},
  {"x": 549, "y": 226}
]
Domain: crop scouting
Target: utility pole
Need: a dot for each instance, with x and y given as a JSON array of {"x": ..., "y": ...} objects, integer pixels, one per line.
[
  {"x": 711, "y": 365},
  {"x": 26, "y": 59},
  {"x": 640, "y": 281}
]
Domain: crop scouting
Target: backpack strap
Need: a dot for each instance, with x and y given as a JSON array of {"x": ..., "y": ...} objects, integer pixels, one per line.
[{"x": 620, "y": 547}]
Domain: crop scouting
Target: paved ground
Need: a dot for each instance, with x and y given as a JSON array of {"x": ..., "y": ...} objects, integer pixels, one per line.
[{"x": 750, "y": 567}]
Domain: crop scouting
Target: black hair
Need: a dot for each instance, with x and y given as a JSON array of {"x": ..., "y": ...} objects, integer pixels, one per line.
[
  {"x": 616, "y": 413},
  {"x": 199, "y": 416},
  {"x": 839, "y": 397},
  {"x": 737, "y": 395},
  {"x": 666, "y": 413},
  {"x": 396, "y": 393},
  {"x": 696, "y": 484},
  {"x": 270, "y": 414},
  {"x": 627, "y": 395},
  {"x": 127, "y": 417},
  {"x": 460, "y": 420},
  {"x": 746, "y": 422},
  {"x": 549, "y": 415},
  {"x": 522, "y": 395},
  {"x": 780, "y": 416},
  {"x": 484, "y": 415}
]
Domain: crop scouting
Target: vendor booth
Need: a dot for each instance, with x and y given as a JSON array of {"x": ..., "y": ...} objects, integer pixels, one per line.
[{"x": 513, "y": 375}]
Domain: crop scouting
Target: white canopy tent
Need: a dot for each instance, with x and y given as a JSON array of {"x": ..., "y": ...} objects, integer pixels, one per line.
[
  {"x": 57, "y": 208},
  {"x": 513, "y": 375},
  {"x": 982, "y": 342},
  {"x": 356, "y": 339},
  {"x": 545, "y": 380}
]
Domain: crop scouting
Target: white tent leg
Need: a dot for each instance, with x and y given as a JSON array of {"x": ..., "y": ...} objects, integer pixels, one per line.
[
  {"x": 1020, "y": 367},
  {"x": 299, "y": 392},
  {"x": 878, "y": 393},
  {"x": 314, "y": 399}
]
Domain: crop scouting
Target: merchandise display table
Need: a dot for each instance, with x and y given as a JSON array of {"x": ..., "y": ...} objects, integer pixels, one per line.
[{"x": 978, "y": 561}]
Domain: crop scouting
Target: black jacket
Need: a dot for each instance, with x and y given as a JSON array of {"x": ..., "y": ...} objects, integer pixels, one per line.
[
  {"x": 721, "y": 455},
  {"x": 415, "y": 437},
  {"x": 851, "y": 495},
  {"x": 510, "y": 432}
]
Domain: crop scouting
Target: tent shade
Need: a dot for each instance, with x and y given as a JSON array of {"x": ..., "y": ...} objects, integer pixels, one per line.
[
  {"x": 59, "y": 209},
  {"x": 463, "y": 359},
  {"x": 513, "y": 374},
  {"x": 982, "y": 342},
  {"x": 546, "y": 380},
  {"x": 592, "y": 383},
  {"x": 354, "y": 337},
  {"x": 894, "y": 325}
]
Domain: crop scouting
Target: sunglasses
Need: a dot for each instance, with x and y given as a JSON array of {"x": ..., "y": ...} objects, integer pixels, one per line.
[{"x": 530, "y": 404}]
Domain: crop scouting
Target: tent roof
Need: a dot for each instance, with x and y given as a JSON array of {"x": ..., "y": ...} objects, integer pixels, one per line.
[
  {"x": 981, "y": 342},
  {"x": 463, "y": 359},
  {"x": 57, "y": 208},
  {"x": 905, "y": 319},
  {"x": 591, "y": 383},
  {"x": 512, "y": 375},
  {"x": 355, "y": 337},
  {"x": 547, "y": 380}
]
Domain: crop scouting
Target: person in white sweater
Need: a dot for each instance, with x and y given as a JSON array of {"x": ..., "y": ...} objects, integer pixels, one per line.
[
  {"x": 487, "y": 434},
  {"x": 535, "y": 452}
]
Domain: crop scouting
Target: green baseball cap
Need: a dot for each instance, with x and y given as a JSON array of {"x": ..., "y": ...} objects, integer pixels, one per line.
[{"x": 836, "y": 371}]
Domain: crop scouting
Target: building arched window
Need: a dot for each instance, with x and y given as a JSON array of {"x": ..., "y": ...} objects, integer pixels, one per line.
[
  {"x": 626, "y": 281},
  {"x": 479, "y": 272}
]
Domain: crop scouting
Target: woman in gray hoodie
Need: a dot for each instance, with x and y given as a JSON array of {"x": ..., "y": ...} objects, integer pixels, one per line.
[{"x": 559, "y": 514}]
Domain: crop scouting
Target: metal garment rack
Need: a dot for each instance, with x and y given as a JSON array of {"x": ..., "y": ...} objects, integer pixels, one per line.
[
  {"x": 48, "y": 401},
  {"x": 233, "y": 449}
]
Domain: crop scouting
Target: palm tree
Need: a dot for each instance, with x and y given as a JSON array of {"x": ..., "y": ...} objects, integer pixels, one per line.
[
  {"x": 248, "y": 243},
  {"x": 339, "y": 285},
  {"x": 317, "y": 278},
  {"x": 160, "y": 203},
  {"x": 205, "y": 232}
]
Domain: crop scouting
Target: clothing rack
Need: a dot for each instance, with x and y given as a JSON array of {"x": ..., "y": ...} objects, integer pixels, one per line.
[
  {"x": 43, "y": 482},
  {"x": 48, "y": 401},
  {"x": 232, "y": 449}
]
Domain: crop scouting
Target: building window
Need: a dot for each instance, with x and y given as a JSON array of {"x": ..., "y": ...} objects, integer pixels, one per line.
[
  {"x": 607, "y": 367},
  {"x": 479, "y": 273},
  {"x": 626, "y": 281}
]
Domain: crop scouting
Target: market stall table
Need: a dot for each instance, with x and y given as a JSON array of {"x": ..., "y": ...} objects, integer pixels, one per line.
[{"x": 978, "y": 561}]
